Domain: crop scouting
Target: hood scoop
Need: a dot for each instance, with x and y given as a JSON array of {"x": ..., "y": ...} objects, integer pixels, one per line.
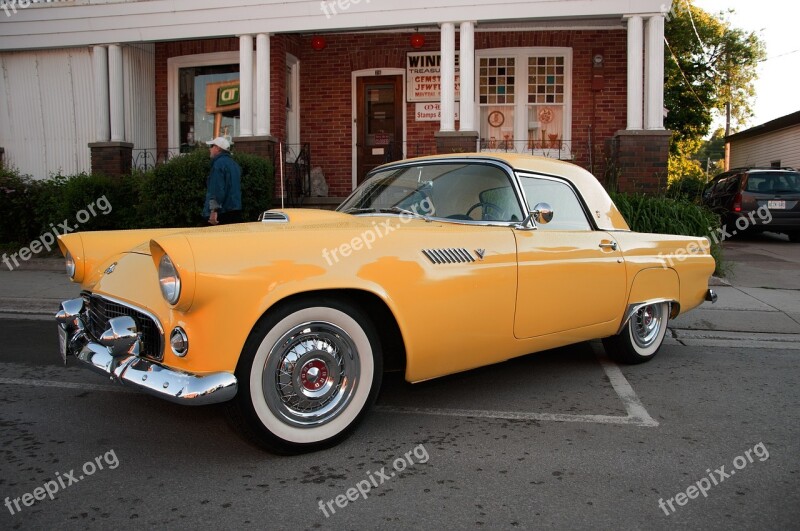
[{"x": 273, "y": 216}]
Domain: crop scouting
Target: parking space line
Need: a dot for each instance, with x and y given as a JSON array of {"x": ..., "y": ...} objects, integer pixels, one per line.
[
  {"x": 637, "y": 415},
  {"x": 64, "y": 385}
]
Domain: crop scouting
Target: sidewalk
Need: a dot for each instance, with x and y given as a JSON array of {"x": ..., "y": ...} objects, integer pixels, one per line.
[{"x": 741, "y": 316}]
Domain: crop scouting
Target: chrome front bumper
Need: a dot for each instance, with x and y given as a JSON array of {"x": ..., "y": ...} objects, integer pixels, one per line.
[{"x": 116, "y": 354}]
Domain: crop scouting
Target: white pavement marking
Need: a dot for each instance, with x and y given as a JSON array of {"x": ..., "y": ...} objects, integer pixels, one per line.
[
  {"x": 64, "y": 385},
  {"x": 637, "y": 414}
]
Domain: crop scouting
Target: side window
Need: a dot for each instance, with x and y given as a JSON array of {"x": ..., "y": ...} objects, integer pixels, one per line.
[
  {"x": 567, "y": 211},
  {"x": 472, "y": 192}
]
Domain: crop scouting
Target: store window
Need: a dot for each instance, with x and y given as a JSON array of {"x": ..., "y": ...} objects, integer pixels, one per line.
[
  {"x": 203, "y": 100},
  {"x": 209, "y": 103},
  {"x": 524, "y": 99}
]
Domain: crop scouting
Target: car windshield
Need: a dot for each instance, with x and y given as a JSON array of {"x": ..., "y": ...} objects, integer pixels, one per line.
[
  {"x": 774, "y": 182},
  {"x": 468, "y": 192}
]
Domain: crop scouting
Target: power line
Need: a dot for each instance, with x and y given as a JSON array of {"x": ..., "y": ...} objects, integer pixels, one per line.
[
  {"x": 688, "y": 83},
  {"x": 691, "y": 18}
]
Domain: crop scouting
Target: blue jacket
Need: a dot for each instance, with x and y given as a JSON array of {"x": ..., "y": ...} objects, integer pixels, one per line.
[{"x": 223, "y": 185}]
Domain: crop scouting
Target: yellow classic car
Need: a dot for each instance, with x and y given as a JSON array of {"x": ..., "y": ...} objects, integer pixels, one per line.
[{"x": 432, "y": 266}]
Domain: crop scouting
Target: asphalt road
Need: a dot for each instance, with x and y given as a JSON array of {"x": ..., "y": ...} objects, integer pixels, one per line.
[{"x": 560, "y": 439}]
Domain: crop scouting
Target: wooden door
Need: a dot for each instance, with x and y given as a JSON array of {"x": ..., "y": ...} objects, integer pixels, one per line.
[{"x": 379, "y": 121}]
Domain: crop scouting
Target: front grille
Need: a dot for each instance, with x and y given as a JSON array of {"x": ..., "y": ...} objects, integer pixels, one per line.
[{"x": 99, "y": 310}]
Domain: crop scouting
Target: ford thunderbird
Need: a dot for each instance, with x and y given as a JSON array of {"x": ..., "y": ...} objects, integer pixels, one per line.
[{"x": 432, "y": 266}]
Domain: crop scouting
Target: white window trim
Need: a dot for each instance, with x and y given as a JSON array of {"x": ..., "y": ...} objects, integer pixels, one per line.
[
  {"x": 293, "y": 63},
  {"x": 521, "y": 89},
  {"x": 174, "y": 64}
]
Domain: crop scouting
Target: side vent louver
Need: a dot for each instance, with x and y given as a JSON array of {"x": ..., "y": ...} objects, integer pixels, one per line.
[{"x": 448, "y": 256}]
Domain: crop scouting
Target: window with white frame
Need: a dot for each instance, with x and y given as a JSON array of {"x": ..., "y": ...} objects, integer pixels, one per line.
[{"x": 524, "y": 98}]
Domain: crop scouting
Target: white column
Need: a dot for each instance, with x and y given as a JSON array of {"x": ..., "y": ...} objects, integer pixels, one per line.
[
  {"x": 635, "y": 72},
  {"x": 262, "y": 84},
  {"x": 116, "y": 93},
  {"x": 448, "y": 77},
  {"x": 246, "y": 85},
  {"x": 654, "y": 73},
  {"x": 102, "y": 118},
  {"x": 467, "y": 79}
]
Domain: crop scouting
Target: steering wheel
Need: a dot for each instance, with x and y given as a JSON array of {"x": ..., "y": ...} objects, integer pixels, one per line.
[{"x": 488, "y": 210}]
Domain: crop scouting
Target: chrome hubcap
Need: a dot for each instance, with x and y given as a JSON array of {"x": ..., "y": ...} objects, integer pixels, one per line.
[
  {"x": 311, "y": 374},
  {"x": 646, "y": 325}
]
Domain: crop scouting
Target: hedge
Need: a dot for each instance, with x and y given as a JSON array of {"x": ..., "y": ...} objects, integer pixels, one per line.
[{"x": 171, "y": 195}]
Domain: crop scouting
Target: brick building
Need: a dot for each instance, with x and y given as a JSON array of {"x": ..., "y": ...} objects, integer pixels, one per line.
[{"x": 103, "y": 86}]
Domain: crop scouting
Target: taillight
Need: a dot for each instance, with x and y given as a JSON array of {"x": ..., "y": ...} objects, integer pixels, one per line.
[{"x": 737, "y": 202}]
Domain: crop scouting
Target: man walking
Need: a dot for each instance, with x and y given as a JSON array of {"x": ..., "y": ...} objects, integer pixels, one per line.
[{"x": 223, "y": 203}]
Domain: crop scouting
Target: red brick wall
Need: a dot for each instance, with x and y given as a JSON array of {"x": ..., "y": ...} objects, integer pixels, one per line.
[{"x": 326, "y": 89}]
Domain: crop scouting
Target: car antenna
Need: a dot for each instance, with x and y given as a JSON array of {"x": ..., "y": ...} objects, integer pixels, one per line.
[{"x": 280, "y": 163}]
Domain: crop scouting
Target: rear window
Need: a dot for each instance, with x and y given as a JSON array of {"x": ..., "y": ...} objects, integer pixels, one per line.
[{"x": 774, "y": 182}]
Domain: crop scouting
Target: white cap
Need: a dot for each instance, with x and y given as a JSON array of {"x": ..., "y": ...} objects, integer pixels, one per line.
[{"x": 221, "y": 142}]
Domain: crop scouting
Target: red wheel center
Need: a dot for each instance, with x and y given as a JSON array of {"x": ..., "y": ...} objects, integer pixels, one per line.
[
  {"x": 647, "y": 318},
  {"x": 314, "y": 374}
]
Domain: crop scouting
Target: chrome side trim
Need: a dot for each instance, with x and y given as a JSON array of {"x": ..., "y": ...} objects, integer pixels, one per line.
[
  {"x": 448, "y": 256},
  {"x": 674, "y": 310}
]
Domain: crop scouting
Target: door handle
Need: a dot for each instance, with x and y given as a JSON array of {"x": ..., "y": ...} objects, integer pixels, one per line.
[{"x": 612, "y": 245}]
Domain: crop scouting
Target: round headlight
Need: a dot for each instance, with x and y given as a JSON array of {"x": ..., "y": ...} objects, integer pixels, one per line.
[
  {"x": 69, "y": 262},
  {"x": 169, "y": 280}
]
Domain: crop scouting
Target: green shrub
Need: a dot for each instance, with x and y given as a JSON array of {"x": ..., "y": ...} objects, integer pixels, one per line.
[
  {"x": 665, "y": 215},
  {"x": 171, "y": 195},
  {"x": 16, "y": 198},
  {"x": 174, "y": 192},
  {"x": 689, "y": 187},
  {"x": 257, "y": 185}
]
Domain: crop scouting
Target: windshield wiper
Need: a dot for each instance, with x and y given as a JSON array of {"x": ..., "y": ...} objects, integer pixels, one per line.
[
  {"x": 390, "y": 210},
  {"x": 398, "y": 210}
]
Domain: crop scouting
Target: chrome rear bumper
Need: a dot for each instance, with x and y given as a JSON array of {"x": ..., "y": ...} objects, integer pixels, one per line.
[
  {"x": 711, "y": 295},
  {"x": 115, "y": 354}
]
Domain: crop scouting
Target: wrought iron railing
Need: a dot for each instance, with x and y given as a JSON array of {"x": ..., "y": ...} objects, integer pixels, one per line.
[
  {"x": 553, "y": 148},
  {"x": 296, "y": 173},
  {"x": 145, "y": 159}
]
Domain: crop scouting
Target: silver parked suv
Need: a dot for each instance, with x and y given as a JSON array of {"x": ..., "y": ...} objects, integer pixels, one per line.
[{"x": 738, "y": 194}]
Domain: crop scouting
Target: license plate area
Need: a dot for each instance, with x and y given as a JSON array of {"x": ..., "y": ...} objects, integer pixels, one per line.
[{"x": 776, "y": 205}]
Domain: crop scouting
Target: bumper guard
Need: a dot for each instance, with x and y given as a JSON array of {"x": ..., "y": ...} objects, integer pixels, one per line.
[{"x": 116, "y": 354}]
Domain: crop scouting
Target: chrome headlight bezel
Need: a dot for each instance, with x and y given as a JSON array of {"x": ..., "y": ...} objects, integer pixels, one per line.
[
  {"x": 69, "y": 264},
  {"x": 169, "y": 280}
]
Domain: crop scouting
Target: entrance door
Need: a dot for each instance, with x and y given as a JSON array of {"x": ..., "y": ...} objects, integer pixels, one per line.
[{"x": 379, "y": 121}]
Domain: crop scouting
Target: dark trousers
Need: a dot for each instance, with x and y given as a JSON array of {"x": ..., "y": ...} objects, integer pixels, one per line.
[{"x": 226, "y": 218}]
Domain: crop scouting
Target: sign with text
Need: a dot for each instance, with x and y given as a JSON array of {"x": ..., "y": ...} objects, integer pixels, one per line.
[
  {"x": 431, "y": 112},
  {"x": 423, "y": 76}
]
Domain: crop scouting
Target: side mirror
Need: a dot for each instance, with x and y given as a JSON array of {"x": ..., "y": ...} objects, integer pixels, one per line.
[{"x": 542, "y": 213}]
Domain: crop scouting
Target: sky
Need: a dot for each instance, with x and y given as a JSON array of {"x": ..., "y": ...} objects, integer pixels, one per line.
[{"x": 776, "y": 22}]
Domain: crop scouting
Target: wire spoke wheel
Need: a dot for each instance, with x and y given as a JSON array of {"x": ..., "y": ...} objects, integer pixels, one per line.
[{"x": 311, "y": 374}]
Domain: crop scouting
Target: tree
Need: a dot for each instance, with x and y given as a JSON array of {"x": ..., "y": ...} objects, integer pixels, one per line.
[{"x": 709, "y": 66}]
